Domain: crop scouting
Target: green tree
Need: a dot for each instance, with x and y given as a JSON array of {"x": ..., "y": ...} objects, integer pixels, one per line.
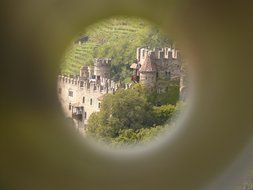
[
  {"x": 169, "y": 95},
  {"x": 162, "y": 114},
  {"x": 140, "y": 136},
  {"x": 126, "y": 109},
  {"x": 130, "y": 117}
]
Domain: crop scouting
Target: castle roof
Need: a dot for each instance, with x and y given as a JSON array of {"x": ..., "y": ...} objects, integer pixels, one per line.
[
  {"x": 148, "y": 65},
  {"x": 133, "y": 66}
]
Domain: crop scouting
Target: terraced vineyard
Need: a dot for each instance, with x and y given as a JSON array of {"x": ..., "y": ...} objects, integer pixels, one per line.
[{"x": 115, "y": 38}]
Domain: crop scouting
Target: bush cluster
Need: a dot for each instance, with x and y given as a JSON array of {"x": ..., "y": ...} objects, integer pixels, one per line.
[{"x": 132, "y": 116}]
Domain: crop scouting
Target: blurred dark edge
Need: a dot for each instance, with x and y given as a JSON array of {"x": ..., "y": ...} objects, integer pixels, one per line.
[{"x": 38, "y": 150}]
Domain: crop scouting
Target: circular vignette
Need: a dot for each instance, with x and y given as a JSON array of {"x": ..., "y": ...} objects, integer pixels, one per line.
[{"x": 163, "y": 138}]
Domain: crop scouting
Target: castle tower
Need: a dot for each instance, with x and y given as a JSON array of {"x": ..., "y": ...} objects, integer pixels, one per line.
[
  {"x": 102, "y": 68},
  {"x": 143, "y": 52},
  {"x": 91, "y": 71},
  {"x": 148, "y": 71},
  {"x": 84, "y": 72}
]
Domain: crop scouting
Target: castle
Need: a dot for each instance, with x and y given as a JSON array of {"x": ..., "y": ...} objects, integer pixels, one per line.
[
  {"x": 81, "y": 95},
  {"x": 154, "y": 65}
]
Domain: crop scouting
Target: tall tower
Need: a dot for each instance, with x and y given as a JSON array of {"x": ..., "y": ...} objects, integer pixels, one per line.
[
  {"x": 91, "y": 71},
  {"x": 102, "y": 68},
  {"x": 148, "y": 71},
  {"x": 84, "y": 73}
]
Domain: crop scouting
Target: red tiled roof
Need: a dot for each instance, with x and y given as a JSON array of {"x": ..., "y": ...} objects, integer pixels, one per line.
[{"x": 133, "y": 66}]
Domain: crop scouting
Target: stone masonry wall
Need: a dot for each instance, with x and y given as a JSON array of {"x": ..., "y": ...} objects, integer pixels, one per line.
[{"x": 75, "y": 92}]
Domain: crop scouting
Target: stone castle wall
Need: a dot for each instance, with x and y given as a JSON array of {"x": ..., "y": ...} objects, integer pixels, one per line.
[
  {"x": 76, "y": 93},
  {"x": 166, "y": 63}
]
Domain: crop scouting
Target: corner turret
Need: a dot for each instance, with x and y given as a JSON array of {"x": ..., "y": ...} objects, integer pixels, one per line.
[
  {"x": 148, "y": 71},
  {"x": 84, "y": 72}
]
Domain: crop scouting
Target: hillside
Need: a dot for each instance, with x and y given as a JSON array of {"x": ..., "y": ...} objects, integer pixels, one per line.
[{"x": 115, "y": 38}]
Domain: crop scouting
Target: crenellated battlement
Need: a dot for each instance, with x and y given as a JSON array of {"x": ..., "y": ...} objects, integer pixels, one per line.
[
  {"x": 75, "y": 80},
  {"x": 157, "y": 53},
  {"x": 89, "y": 85},
  {"x": 102, "y": 62},
  {"x": 154, "y": 64}
]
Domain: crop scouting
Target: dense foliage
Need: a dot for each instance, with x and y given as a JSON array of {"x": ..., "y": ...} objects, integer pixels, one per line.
[
  {"x": 115, "y": 38},
  {"x": 130, "y": 116}
]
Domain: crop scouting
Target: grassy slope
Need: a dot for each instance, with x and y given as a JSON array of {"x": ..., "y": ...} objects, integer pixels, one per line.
[{"x": 115, "y": 38}]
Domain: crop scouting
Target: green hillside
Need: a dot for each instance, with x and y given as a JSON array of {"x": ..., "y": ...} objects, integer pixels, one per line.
[{"x": 115, "y": 38}]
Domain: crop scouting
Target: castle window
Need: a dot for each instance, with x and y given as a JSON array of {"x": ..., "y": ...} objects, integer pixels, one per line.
[
  {"x": 85, "y": 115},
  {"x": 91, "y": 101},
  {"x": 83, "y": 99},
  {"x": 81, "y": 84},
  {"x": 70, "y": 106},
  {"x": 71, "y": 93},
  {"x": 99, "y": 105}
]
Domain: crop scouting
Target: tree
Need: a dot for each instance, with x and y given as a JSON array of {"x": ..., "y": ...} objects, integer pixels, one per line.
[
  {"x": 163, "y": 113},
  {"x": 129, "y": 117},
  {"x": 126, "y": 109},
  {"x": 140, "y": 136}
]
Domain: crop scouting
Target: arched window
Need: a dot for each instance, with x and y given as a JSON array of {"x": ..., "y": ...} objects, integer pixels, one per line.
[{"x": 91, "y": 101}]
